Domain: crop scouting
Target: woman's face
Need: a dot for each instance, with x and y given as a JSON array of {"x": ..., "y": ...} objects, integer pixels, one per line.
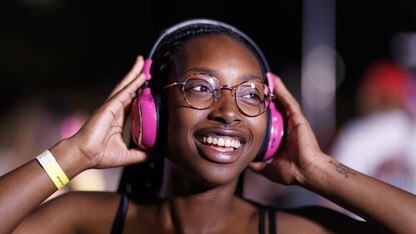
[{"x": 190, "y": 130}]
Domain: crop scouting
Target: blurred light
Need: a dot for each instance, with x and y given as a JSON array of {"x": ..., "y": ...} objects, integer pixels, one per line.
[
  {"x": 319, "y": 82},
  {"x": 318, "y": 86},
  {"x": 42, "y": 4},
  {"x": 321, "y": 74},
  {"x": 318, "y": 63},
  {"x": 403, "y": 48},
  {"x": 319, "y": 69}
]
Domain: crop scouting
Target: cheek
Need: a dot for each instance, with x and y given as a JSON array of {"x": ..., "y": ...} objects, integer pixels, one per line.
[
  {"x": 258, "y": 128},
  {"x": 180, "y": 125},
  {"x": 181, "y": 121}
]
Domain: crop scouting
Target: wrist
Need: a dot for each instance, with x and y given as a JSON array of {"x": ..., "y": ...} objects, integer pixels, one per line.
[
  {"x": 69, "y": 157},
  {"x": 328, "y": 177},
  {"x": 316, "y": 173}
]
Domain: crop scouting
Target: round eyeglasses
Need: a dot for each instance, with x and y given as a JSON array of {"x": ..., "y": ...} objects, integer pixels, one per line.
[{"x": 201, "y": 91}]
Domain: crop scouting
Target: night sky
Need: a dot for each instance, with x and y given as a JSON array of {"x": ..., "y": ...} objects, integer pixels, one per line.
[{"x": 78, "y": 50}]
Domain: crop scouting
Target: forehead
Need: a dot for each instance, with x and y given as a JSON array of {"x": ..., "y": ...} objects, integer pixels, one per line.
[{"x": 223, "y": 54}]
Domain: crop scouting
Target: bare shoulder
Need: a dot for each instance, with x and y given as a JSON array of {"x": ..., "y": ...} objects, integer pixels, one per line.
[
  {"x": 315, "y": 219},
  {"x": 85, "y": 212}
]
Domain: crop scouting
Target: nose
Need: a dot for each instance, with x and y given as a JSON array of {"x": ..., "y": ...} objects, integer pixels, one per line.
[{"x": 225, "y": 110}]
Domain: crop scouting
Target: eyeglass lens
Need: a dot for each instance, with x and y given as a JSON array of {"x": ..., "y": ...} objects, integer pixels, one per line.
[{"x": 201, "y": 91}]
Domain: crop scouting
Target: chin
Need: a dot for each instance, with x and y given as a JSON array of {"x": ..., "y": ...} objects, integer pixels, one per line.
[
  {"x": 200, "y": 175},
  {"x": 219, "y": 175}
]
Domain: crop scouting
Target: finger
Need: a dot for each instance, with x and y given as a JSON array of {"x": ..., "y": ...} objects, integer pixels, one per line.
[
  {"x": 133, "y": 73},
  {"x": 124, "y": 158},
  {"x": 126, "y": 95},
  {"x": 285, "y": 97},
  {"x": 135, "y": 156}
]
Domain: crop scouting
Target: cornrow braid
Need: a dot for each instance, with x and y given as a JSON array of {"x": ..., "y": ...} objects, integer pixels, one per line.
[{"x": 170, "y": 49}]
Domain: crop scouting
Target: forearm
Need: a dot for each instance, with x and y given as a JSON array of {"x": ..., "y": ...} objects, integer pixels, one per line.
[
  {"x": 26, "y": 187},
  {"x": 382, "y": 205},
  {"x": 99, "y": 144}
]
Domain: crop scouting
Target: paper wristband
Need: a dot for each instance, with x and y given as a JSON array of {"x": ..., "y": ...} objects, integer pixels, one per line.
[{"x": 55, "y": 172}]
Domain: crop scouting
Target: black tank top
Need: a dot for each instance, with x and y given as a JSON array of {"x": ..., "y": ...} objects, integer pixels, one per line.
[{"x": 118, "y": 223}]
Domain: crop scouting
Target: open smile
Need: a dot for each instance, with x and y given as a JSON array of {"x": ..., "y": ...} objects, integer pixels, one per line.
[
  {"x": 222, "y": 141},
  {"x": 220, "y": 146}
]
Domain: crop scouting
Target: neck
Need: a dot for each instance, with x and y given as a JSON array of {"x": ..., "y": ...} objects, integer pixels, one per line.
[
  {"x": 199, "y": 213},
  {"x": 193, "y": 208}
]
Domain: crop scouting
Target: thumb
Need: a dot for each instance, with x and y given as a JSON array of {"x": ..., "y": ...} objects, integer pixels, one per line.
[
  {"x": 135, "y": 155},
  {"x": 258, "y": 166}
]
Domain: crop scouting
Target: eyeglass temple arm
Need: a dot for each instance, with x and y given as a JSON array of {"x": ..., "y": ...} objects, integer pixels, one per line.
[{"x": 171, "y": 85}]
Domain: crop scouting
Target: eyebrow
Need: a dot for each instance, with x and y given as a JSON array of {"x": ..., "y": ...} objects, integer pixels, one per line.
[{"x": 216, "y": 74}]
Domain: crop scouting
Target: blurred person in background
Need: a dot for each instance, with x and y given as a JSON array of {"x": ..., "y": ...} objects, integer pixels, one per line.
[{"x": 382, "y": 142}]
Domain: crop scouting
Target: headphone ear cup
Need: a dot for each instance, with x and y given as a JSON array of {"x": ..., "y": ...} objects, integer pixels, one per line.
[
  {"x": 266, "y": 138},
  {"x": 144, "y": 120},
  {"x": 276, "y": 131},
  {"x": 273, "y": 137}
]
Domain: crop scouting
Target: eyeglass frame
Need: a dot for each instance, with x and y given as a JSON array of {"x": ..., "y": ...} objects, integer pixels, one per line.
[{"x": 232, "y": 88}]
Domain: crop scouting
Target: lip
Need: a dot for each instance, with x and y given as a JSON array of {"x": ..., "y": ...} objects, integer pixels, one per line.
[{"x": 218, "y": 154}]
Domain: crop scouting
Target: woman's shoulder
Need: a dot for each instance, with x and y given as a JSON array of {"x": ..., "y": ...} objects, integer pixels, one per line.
[
  {"x": 87, "y": 196},
  {"x": 317, "y": 219},
  {"x": 85, "y": 212},
  {"x": 86, "y": 202},
  {"x": 94, "y": 211}
]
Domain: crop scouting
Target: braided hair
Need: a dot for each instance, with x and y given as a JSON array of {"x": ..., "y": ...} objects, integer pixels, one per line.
[{"x": 141, "y": 181}]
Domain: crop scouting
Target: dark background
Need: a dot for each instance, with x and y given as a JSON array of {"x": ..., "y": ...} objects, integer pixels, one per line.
[{"x": 78, "y": 50}]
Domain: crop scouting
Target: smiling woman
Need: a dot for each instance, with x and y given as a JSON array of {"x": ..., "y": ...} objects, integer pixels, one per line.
[
  {"x": 223, "y": 119},
  {"x": 194, "y": 81},
  {"x": 185, "y": 181}
]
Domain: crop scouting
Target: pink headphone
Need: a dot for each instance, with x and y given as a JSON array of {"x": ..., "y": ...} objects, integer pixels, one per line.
[{"x": 145, "y": 109}]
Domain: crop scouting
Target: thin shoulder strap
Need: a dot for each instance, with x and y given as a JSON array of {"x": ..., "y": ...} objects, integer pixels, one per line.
[
  {"x": 118, "y": 223},
  {"x": 262, "y": 229},
  {"x": 272, "y": 220}
]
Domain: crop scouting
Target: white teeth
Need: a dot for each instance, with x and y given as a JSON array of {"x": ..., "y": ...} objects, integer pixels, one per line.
[
  {"x": 223, "y": 142},
  {"x": 227, "y": 143}
]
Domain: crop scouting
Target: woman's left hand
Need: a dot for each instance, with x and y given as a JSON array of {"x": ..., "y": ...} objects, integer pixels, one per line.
[{"x": 301, "y": 148}]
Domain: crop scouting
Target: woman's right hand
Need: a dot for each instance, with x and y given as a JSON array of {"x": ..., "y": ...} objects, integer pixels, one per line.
[
  {"x": 100, "y": 140},
  {"x": 98, "y": 144}
]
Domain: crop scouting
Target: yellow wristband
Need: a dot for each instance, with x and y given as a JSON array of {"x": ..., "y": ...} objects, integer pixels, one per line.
[{"x": 55, "y": 172}]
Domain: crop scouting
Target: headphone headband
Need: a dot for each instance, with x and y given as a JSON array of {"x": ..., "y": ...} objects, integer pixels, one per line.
[{"x": 214, "y": 23}]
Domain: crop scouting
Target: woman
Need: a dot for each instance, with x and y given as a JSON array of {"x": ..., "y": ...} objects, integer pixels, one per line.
[{"x": 197, "y": 190}]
